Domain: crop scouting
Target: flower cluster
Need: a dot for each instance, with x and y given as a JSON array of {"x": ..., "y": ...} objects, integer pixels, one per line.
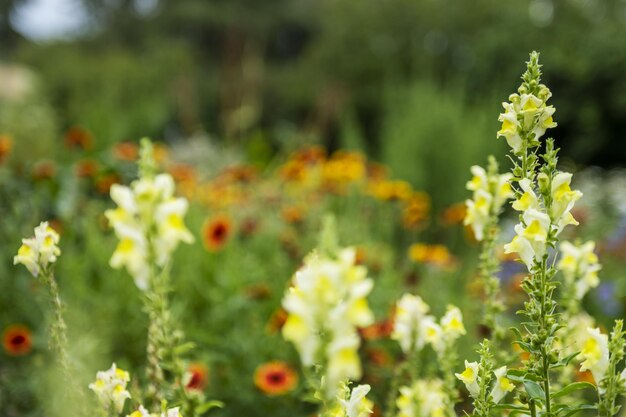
[
  {"x": 490, "y": 191},
  {"x": 595, "y": 353},
  {"x": 149, "y": 222},
  {"x": 542, "y": 218},
  {"x": 37, "y": 252},
  {"x": 352, "y": 403},
  {"x": 326, "y": 304},
  {"x": 142, "y": 412},
  {"x": 526, "y": 117},
  {"x": 413, "y": 327},
  {"x": 580, "y": 267},
  {"x": 471, "y": 378},
  {"x": 110, "y": 387},
  {"x": 424, "y": 398}
]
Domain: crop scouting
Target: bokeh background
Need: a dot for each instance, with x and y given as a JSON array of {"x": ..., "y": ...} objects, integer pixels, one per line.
[{"x": 244, "y": 96}]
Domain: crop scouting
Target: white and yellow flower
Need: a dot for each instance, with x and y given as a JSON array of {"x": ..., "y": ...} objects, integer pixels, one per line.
[
  {"x": 409, "y": 313},
  {"x": 424, "y": 398},
  {"x": 502, "y": 385},
  {"x": 579, "y": 265},
  {"x": 595, "y": 352},
  {"x": 328, "y": 297},
  {"x": 37, "y": 252},
  {"x": 149, "y": 222},
  {"x": 110, "y": 387},
  {"x": 358, "y": 405},
  {"x": 452, "y": 323},
  {"x": 470, "y": 378}
]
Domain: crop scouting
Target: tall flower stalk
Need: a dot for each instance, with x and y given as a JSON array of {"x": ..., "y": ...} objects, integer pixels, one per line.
[
  {"x": 149, "y": 222},
  {"x": 491, "y": 191}
]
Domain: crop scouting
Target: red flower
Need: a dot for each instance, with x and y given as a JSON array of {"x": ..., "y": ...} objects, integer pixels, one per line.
[
  {"x": 77, "y": 137},
  {"x": 275, "y": 378},
  {"x": 17, "y": 340},
  {"x": 199, "y": 376},
  {"x": 216, "y": 232}
]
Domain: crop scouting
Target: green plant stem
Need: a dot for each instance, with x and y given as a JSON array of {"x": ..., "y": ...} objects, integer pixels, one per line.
[{"x": 58, "y": 328}]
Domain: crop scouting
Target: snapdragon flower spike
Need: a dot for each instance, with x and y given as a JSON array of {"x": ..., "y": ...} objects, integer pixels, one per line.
[
  {"x": 328, "y": 297},
  {"x": 490, "y": 191},
  {"x": 595, "y": 353},
  {"x": 37, "y": 252},
  {"x": 579, "y": 265},
  {"x": 408, "y": 323},
  {"x": 149, "y": 223},
  {"x": 110, "y": 387},
  {"x": 424, "y": 398}
]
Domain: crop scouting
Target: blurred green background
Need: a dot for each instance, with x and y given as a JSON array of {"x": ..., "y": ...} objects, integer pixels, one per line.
[{"x": 414, "y": 84}]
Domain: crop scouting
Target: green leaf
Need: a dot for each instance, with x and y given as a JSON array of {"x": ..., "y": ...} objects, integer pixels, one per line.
[
  {"x": 534, "y": 390},
  {"x": 511, "y": 407},
  {"x": 576, "y": 409},
  {"x": 203, "y": 408},
  {"x": 184, "y": 348},
  {"x": 575, "y": 386}
]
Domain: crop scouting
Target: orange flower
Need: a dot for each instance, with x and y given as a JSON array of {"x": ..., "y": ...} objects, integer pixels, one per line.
[
  {"x": 126, "y": 151},
  {"x": 275, "y": 378},
  {"x": 78, "y": 137},
  {"x": 17, "y": 340},
  {"x": 199, "y": 376},
  {"x": 416, "y": 209},
  {"x": 104, "y": 183},
  {"x": 277, "y": 321},
  {"x": 292, "y": 214},
  {"x": 216, "y": 232},
  {"x": 86, "y": 168},
  {"x": 160, "y": 153},
  {"x": 432, "y": 254},
  {"x": 6, "y": 144},
  {"x": 183, "y": 173},
  {"x": 377, "y": 330},
  {"x": 585, "y": 376},
  {"x": 454, "y": 214},
  {"x": 44, "y": 170},
  {"x": 390, "y": 190}
]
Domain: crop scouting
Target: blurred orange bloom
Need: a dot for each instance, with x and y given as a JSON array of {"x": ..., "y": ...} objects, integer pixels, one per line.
[
  {"x": 390, "y": 190},
  {"x": 432, "y": 254},
  {"x": 17, "y": 340},
  {"x": 292, "y": 214},
  {"x": 416, "y": 210},
  {"x": 104, "y": 183},
  {"x": 454, "y": 214},
  {"x": 78, "y": 137},
  {"x": 199, "y": 376},
  {"x": 344, "y": 168},
  {"x": 86, "y": 168},
  {"x": 275, "y": 378},
  {"x": 44, "y": 170},
  {"x": 126, "y": 151},
  {"x": 377, "y": 330},
  {"x": 216, "y": 232},
  {"x": 6, "y": 144},
  {"x": 277, "y": 321},
  {"x": 182, "y": 172}
]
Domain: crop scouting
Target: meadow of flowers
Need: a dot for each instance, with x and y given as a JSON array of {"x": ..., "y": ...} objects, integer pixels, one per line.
[{"x": 142, "y": 281}]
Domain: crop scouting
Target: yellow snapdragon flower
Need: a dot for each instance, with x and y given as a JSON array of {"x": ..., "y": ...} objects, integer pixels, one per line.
[
  {"x": 110, "y": 387},
  {"x": 37, "y": 252},
  {"x": 595, "y": 352}
]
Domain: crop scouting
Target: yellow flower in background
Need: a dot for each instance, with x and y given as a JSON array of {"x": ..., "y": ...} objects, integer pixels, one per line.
[
  {"x": 390, "y": 190},
  {"x": 595, "y": 352},
  {"x": 407, "y": 324},
  {"x": 452, "y": 323},
  {"x": 148, "y": 220},
  {"x": 37, "y": 252},
  {"x": 490, "y": 191},
  {"x": 579, "y": 265},
  {"x": 437, "y": 255},
  {"x": 424, "y": 398},
  {"x": 110, "y": 387},
  {"x": 328, "y": 298}
]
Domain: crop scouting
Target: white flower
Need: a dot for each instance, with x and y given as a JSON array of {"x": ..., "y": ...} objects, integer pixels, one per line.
[
  {"x": 38, "y": 252},
  {"x": 409, "y": 312},
  {"x": 502, "y": 385},
  {"x": 595, "y": 353},
  {"x": 328, "y": 297},
  {"x": 140, "y": 412},
  {"x": 358, "y": 405},
  {"x": 580, "y": 266},
  {"x": 110, "y": 387},
  {"x": 470, "y": 378},
  {"x": 452, "y": 323},
  {"x": 425, "y": 398}
]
